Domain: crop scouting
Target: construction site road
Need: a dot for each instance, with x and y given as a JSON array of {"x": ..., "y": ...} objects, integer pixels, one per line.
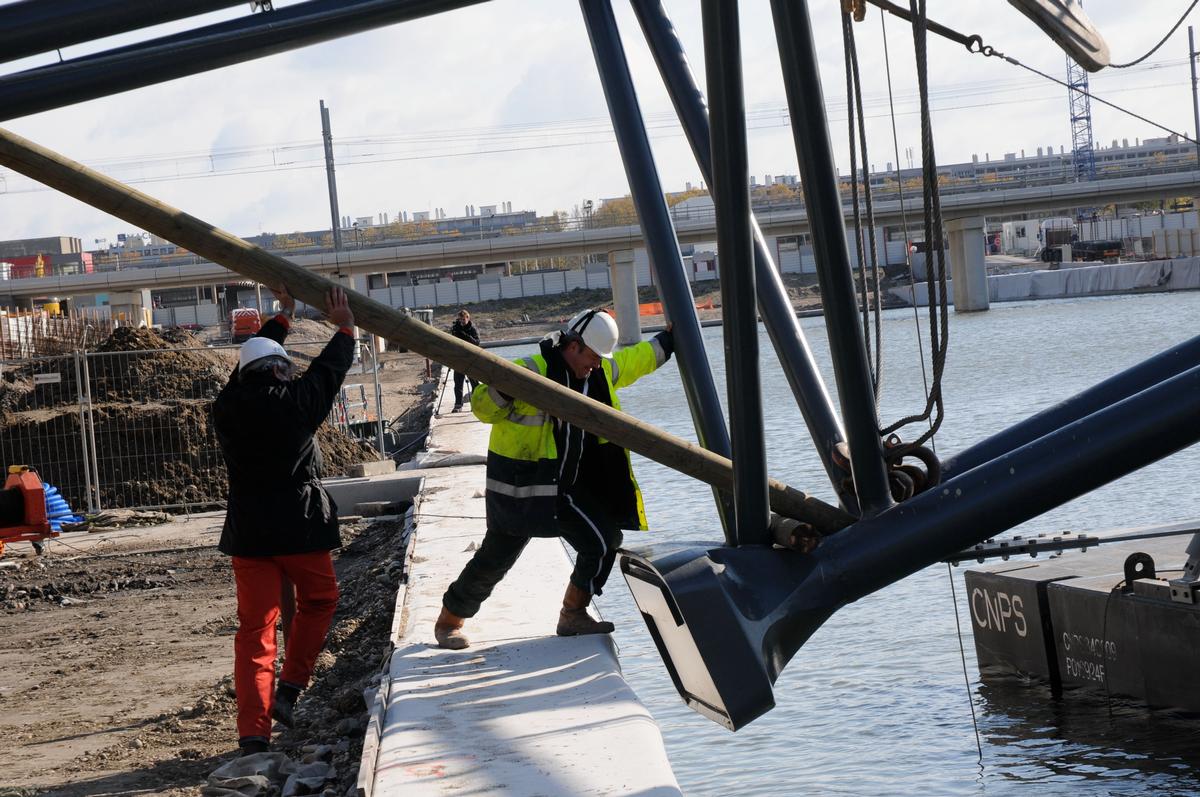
[{"x": 118, "y": 648}]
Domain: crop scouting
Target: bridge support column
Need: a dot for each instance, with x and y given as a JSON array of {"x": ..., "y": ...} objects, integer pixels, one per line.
[
  {"x": 622, "y": 277},
  {"x": 968, "y": 268}
]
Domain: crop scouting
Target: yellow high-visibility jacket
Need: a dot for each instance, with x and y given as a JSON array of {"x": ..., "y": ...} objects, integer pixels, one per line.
[{"x": 523, "y": 460}]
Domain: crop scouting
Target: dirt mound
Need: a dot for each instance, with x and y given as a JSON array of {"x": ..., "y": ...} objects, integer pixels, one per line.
[
  {"x": 339, "y": 450},
  {"x": 178, "y": 336},
  {"x": 151, "y": 421},
  {"x": 309, "y": 330},
  {"x": 139, "y": 365},
  {"x": 133, "y": 339}
]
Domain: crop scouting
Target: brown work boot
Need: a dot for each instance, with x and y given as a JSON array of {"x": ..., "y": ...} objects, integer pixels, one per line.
[
  {"x": 574, "y": 620},
  {"x": 448, "y": 631}
]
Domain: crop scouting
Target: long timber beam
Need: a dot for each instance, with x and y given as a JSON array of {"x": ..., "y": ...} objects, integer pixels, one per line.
[{"x": 117, "y": 199}]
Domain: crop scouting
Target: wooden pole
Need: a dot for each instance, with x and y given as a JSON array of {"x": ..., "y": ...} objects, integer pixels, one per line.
[{"x": 131, "y": 205}]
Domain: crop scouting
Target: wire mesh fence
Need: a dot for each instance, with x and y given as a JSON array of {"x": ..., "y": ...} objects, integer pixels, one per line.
[
  {"x": 35, "y": 333},
  {"x": 42, "y": 409},
  {"x": 133, "y": 429}
]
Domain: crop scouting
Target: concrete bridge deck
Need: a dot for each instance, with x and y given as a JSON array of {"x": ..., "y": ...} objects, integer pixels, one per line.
[{"x": 600, "y": 241}]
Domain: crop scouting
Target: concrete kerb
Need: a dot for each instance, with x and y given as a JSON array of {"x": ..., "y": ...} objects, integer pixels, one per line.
[{"x": 521, "y": 711}]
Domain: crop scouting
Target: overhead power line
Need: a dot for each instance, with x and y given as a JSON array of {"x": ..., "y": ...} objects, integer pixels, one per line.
[{"x": 1161, "y": 41}]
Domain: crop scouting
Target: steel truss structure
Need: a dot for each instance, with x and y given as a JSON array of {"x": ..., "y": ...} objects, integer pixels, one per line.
[{"x": 726, "y": 617}]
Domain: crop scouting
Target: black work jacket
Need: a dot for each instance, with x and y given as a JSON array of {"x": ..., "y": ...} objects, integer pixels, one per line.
[
  {"x": 266, "y": 429},
  {"x": 465, "y": 332}
]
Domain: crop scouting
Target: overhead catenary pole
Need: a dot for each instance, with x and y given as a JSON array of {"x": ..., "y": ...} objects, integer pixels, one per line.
[
  {"x": 219, "y": 246},
  {"x": 1195, "y": 98},
  {"x": 662, "y": 244},
  {"x": 731, "y": 198},
  {"x": 327, "y": 137},
  {"x": 806, "y": 104},
  {"x": 779, "y": 317}
]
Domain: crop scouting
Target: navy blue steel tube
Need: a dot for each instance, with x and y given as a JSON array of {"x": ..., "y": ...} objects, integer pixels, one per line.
[
  {"x": 779, "y": 318},
  {"x": 1120, "y": 386},
  {"x": 29, "y": 27},
  {"x": 802, "y": 83},
  {"x": 1015, "y": 487},
  {"x": 655, "y": 218},
  {"x": 731, "y": 196},
  {"x": 211, "y": 47}
]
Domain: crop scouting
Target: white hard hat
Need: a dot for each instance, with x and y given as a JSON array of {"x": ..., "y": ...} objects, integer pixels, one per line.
[
  {"x": 597, "y": 329},
  {"x": 258, "y": 347}
]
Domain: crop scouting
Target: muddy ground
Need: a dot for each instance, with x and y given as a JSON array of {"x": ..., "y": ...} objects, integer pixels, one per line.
[{"x": 117, "y": 656}]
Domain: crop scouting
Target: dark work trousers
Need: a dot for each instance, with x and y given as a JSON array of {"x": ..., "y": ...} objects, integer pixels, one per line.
[
  {"x": 458, "y": 387},
  {"x": 584, "y": 526}
]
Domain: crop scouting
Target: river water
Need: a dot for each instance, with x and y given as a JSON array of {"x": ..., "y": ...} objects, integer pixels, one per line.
[{"x": 876, "y": 702}]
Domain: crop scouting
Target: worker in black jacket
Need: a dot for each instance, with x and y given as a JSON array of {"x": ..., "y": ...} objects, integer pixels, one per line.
[
  {"x": 463, "y": 329},
  {"x": 279, "y": 523}
]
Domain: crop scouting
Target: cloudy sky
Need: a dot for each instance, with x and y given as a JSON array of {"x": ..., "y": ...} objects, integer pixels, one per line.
[{"x": 501, "y": 102}]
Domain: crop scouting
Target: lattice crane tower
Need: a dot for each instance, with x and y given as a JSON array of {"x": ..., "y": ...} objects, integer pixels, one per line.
[{"x": 1082, "y": 148}]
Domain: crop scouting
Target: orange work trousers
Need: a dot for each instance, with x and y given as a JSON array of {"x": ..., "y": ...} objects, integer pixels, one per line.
[{"x": 258, "y": 581}]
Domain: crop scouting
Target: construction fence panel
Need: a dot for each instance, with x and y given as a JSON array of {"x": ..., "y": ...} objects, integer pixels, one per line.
[
  {"x": 208, "y": 314},
  {"x": 574, "y": 279},
  {"x": 152, "y": 438},
  {"x": 424, "y": 295},
  {"x": 641, "y": 264},
  {"x": 42, "y": 423},
  {"x": 510, "y": 288},
  {"x": 445, "y": 293},
  {"x": 468, "y": 291},
  {"x": 489, "y": 291},
  {"x": 533, "y": 285},
  {"x": 150, "y": 432}
]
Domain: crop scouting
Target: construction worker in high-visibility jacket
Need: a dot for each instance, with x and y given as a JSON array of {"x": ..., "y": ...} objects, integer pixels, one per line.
[{"x": 549, "y": 478}]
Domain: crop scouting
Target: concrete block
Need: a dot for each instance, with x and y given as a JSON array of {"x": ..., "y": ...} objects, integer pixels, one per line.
[{"x": 371, "y": 468}]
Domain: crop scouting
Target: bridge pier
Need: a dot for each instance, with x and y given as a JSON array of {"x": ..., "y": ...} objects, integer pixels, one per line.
[
  {"x": 968, "y": 269},
  {"x": 622, "y": 277}
]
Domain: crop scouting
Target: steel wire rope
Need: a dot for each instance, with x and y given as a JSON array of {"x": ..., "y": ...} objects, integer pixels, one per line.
[
  {"x": 1161, "y": 41},
  {"x": 962, "y": 652},
  {"x": 854, "y": 95},
  {"x": 991, "y": 52},
  {"x": 939, "y": 324},
  {"x": 887, "y": 64},
  {"x": 938, "y": 345},
  {"x": 974, "y": 43}
]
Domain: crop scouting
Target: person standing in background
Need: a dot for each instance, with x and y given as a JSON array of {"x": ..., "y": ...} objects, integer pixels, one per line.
[{"x": 463, "y": 329}]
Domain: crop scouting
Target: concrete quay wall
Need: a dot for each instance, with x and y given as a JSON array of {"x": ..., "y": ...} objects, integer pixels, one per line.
[{"x": 520, "y": 712}]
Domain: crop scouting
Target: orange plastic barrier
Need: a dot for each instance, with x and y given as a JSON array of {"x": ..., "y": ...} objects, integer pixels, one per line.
[{"x": 656, "y": 308}]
